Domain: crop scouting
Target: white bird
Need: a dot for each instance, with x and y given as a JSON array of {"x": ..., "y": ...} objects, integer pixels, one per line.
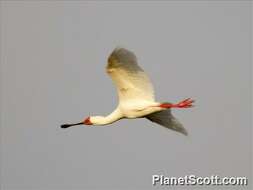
[{"x": 136, "y": 95}]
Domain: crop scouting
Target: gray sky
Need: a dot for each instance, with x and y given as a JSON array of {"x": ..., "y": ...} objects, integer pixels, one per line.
[{"x": 53, "y": 57}]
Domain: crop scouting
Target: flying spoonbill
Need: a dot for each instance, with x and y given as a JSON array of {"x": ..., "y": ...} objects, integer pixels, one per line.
[{"x": 136, "y": 95}]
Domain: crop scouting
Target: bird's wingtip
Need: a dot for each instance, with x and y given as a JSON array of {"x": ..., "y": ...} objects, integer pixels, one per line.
[
  {"x": 184, "y": 133},
  {"x": 118, "y": 48}
]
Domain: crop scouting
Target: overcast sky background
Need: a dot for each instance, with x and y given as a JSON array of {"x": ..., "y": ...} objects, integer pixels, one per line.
[{"x": 53, "y": 57}]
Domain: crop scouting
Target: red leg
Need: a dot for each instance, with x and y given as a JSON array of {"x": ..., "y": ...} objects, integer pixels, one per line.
[{"x": 187, "y": 103}]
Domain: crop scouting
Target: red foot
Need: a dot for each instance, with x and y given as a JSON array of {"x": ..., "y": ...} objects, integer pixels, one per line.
[{"x": 187, "y": 103}]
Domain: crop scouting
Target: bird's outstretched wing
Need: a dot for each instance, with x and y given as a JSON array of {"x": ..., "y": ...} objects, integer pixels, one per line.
[
  {"x": 166, "y": 119},
  {"x": 131, "y": 81}
]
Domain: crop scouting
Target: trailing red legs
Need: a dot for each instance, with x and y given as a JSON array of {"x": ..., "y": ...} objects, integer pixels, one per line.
[{"x": 187, "y": 103}]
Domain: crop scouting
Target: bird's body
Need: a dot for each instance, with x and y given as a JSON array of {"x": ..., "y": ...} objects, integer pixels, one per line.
[
  {"x": 135, "y": 109},
  {"x": 135, "y": 94}
]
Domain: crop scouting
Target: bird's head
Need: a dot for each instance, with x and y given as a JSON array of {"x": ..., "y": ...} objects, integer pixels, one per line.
[
  {"x": 94, "y": 120},
  {"x": 87, "y": 121}
]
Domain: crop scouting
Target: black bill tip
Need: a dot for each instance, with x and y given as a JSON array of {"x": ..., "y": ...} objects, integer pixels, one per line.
[{"x": 64, "y": 126}]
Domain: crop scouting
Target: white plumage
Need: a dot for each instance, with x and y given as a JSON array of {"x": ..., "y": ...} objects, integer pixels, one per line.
[
  {"x": 136, "y": 95},
  {"x": 131, "y": 81}
]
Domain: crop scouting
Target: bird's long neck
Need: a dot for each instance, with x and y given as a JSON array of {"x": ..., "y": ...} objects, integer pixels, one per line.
[{"x": 114, "y": 116}]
